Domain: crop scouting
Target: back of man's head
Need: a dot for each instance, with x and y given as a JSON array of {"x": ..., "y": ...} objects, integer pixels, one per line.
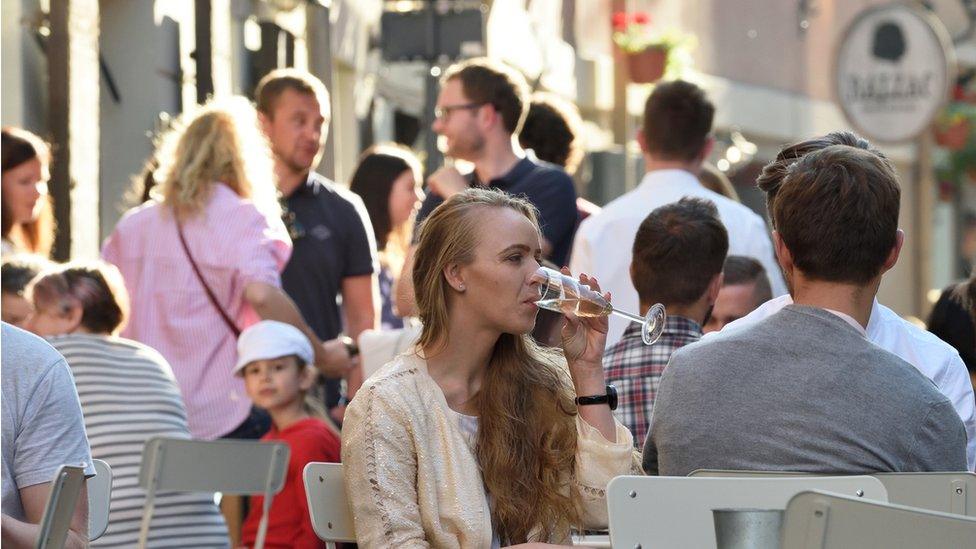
[
  {"x": 490, "y": 82},
  {"x": 276, "y": 82},
  {"x": 677, "y": 120},
  {"x": 773, "y": 173},
  {"x": 740, "y": 270},
  {"x": 678, "y": 250},
  {"x": 837, "y": 213}
]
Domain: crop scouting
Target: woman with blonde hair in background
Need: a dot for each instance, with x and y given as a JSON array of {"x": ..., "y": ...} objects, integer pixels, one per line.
[
  {"x": 388, "y": 179},
  {"x": 28, "y": 215},
  {"x": 201, "y": 262},
  {"x": 473, "y": 438}
]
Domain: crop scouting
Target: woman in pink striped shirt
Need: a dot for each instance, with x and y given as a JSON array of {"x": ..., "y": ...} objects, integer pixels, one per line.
[{"x": 201, "y": 261}]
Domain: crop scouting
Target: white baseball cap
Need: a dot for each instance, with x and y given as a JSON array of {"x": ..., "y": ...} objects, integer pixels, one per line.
[{"x": 271, "y": 339}]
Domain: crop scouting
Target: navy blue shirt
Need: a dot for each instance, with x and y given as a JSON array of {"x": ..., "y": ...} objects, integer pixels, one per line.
[
  {"x": 332, "y": 239},
  {"x": 547, "y": 187}
]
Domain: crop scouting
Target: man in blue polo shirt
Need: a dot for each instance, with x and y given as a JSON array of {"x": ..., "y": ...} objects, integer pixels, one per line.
[
  {"x": 480, "y": 109},
  {"x": 334, "y": 252}
]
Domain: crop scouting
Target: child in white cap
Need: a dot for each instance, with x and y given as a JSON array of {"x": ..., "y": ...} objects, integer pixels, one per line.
[{"x": 274, "y": 358}]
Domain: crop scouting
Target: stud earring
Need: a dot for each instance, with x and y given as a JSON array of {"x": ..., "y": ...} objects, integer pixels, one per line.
[{"x": 461, "y": 287}]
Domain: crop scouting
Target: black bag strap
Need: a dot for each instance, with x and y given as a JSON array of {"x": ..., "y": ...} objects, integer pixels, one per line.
[{"x": 213, "y": 299}]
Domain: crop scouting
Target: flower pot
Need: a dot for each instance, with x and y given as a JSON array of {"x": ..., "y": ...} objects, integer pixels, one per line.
[
  {"x": 647, "y": 66},
  {"x": 954, "y": 136}
]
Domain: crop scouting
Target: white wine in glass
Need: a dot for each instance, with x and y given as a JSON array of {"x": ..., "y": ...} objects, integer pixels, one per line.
[{"x": 564, "y": 294}]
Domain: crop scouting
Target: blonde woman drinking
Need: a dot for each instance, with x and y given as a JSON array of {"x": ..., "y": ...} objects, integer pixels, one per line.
[
  {"x": 201, "y": 261},
  {"x": 473, "y": 439}
]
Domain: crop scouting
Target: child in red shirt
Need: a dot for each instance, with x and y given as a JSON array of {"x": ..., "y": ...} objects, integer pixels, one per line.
[{"x": 274, "y": 358}]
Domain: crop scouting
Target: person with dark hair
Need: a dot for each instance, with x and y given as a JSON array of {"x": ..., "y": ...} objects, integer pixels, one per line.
[
  {"x": 81, "y": 308},
  {"x": 746, "y": 287},
  {"x": 953, "y": 319},
  {"x": 28, "y": 214},
  {"x": 804, "y": 390},
  {"x": 678, "y": 255},
  {"x": 675, "y": 139},
  {"x": 480, "y": 111},
  {"x": 334, "y": 254},
  {"x": 552, "y": 131},
  {"x": 933, "y": 357},
  {"x": 388, "y": 180},
  {"x": 16, "y": 272}
]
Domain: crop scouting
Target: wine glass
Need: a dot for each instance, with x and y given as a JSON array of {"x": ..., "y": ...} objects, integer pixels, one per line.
[{"x": 565, "y": 294}]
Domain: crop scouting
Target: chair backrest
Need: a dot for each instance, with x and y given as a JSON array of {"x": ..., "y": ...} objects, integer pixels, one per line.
[
  {"x": 377, "y": 347},
  {"x": 65, "y": 489},
  {"x": 821, "y": 520},
  {"x": 227, "y": 466},
  {"x": 945, "y": 492},
  {"x": 677, "y": 511},
  {"x": 327, "y": 503},
  {"x": 99, "y": 499}
]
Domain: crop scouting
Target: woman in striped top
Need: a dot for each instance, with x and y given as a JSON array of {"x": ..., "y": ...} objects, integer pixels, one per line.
[{"x": 128, "y": 394}]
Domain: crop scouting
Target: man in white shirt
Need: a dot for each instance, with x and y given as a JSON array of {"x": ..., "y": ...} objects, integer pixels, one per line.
[
  {"x": 932, "y": 357},
  {"x": 675, "y": 141}
]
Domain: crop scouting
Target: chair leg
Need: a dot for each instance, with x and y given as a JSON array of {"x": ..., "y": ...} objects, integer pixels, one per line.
[{"x": 147, "y": 512}]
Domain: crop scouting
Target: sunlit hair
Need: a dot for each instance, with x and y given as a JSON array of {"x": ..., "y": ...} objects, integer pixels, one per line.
[
  {"x": 35, "y": 236},
  {"x": 220, "y": 142},
  {"x": 527, "y": 433},
  {"x": 378, "y": 169},
  {"x": 96, "y": 287}
]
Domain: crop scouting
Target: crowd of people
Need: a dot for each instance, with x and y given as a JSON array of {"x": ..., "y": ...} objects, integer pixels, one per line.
[{"x": 230, "y": 301}]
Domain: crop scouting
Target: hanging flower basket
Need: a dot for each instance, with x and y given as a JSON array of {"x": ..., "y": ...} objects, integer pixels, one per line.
[
  {"x": 953, "y": 136},
  {"x": 646, "y": 67}
]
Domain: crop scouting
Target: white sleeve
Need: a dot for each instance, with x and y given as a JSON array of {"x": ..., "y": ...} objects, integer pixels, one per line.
[
  {"x": 581, "y": 260},
  {"x": 761, "y": 248},
  {"x": 957, "y": 386}
]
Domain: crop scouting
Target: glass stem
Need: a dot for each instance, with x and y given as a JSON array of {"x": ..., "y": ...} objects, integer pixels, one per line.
[{"x": 628, "y": 316}]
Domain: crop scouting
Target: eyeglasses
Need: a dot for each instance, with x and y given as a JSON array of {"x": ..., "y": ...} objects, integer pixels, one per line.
[{"x": 441, "y": 113}]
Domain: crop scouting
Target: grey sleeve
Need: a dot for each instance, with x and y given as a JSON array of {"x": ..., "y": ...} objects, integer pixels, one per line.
[
  {"x": 52, "y": 432},
  {"x": 940, "y": 444}
]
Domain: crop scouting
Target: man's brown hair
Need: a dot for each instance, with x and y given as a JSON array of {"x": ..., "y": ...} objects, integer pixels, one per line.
[
  {"x": 741, "y": 270},
  {"x": 677, "y": 119},
  {"x": 837, "y": 212},
  {"x": 678, "y": 250},
  {"x": 493, "y": 83},
  {"x": 773, "y": 173},
  {"x": 270, "y": 88}
]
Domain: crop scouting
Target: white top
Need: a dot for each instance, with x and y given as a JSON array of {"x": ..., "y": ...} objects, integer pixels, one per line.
[
  {"x": 603, "y": 243},
  {"x": 934, "y": 358}
]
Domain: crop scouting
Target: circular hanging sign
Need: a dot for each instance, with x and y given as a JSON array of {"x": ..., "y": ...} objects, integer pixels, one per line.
[{"x": 893, "y": 72}]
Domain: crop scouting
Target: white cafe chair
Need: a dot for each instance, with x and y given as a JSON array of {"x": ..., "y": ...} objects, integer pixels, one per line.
[
  {"x": 240, "y": 467},
  {"x": 666, "y": 512},
  {"x": 833, "y": 521},
  {"x": 61, "y": 502},
  {"x": 327, "y": 504},
  {"x": 99, "y": 499}
]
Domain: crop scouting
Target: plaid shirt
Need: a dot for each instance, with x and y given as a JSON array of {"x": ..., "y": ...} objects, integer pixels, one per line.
[{"x": 635, "y": 370}]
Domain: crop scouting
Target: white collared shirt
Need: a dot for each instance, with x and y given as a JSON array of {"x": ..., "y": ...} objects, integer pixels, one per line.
[
  {"x": 604, "y": 241},
  {"x": 934, "y": 358}
]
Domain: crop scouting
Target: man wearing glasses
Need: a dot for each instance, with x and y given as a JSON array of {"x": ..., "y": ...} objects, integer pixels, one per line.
[{"x": 480, "y": 110}]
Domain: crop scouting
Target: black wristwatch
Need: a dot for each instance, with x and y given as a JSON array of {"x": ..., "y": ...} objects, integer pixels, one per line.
[
  {"x": 350, "y": 344},
  {"x": 610, "y": 399}
]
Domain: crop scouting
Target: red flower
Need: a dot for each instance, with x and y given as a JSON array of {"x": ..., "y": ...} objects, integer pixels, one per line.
[
  {"x": 619, "y": 20},
  {"x": 642, "y": 18}
]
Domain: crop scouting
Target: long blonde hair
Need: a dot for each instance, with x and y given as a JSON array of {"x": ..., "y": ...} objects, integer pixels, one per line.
[
  {"x": 527, "y": 433},
  {"x": 220, "y": 142}
]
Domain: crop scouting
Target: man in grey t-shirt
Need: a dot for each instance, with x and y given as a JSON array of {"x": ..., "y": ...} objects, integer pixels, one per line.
[
  {"x": 43, "y": 429},
  {"x": 804, "y": 390}
]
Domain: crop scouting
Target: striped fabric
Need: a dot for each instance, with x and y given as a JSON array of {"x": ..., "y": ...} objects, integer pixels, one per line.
[
  {"x": 635, "y": 370},
  {"x": 128, "y": 395},
  {"x": 233, "y": 244}
]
